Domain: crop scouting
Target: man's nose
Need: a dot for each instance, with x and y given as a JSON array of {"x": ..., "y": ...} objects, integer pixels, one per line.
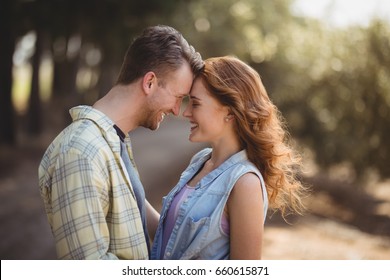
[
  {"x": 176, "y": 109},
  {"x": 187, "y": 111}
]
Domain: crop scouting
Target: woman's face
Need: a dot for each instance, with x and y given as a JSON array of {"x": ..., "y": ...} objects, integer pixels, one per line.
[{"x": 206, "y": 115}]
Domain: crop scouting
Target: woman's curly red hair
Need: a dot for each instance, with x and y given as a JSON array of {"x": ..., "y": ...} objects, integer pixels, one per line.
[{"x": 260, "y": 127}]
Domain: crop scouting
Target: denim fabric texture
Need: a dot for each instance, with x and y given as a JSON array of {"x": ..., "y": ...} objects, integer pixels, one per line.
[{"x": 197, "y": 233}]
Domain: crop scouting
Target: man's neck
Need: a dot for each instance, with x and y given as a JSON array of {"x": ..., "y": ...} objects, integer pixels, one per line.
[{"x": 121, "y": 105}]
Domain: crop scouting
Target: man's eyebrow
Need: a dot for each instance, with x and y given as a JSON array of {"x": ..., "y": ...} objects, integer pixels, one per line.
[
  {"x": 183, "y": 94},
  {"x": 194, "y": 97}
]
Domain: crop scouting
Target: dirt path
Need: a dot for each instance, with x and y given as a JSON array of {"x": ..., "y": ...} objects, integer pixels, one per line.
[{"x": 161, "y": 156}]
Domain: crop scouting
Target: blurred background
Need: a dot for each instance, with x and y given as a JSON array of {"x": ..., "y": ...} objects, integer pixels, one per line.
[{"x": 325, "y": 64}]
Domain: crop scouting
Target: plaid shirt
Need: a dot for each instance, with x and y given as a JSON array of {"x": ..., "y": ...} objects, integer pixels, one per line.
[{"x": 87, "y": 193}]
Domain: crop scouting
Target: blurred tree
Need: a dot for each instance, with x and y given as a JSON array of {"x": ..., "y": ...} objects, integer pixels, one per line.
[
  {"x": 112, "y": 27},
  {"x": 248, "y": 29},
  {"x": 336, "y": 96},
  {"x": 331, "y": 85},
  {"x": 34, "y": 105},
  {"x": 7, "y": 47},
  {"x": 39, "y": 17},
  {"x": 67, "y": 26}
]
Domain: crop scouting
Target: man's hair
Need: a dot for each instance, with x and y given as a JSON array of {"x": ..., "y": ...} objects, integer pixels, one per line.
[{"x": 160, "y": 49}]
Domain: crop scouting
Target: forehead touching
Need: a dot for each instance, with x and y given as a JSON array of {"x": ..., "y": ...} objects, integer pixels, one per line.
[
  {"x": 198, "y": 89},
  {"x": 181, "y": 80}
]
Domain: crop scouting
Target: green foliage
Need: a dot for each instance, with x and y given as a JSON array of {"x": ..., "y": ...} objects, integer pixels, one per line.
[
  {"x": 333, "y": 87},
  {"x": 246, "y": 28}
]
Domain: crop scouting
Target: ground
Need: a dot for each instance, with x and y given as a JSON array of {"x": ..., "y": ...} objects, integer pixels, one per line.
[{"x": 343, "y": 221}]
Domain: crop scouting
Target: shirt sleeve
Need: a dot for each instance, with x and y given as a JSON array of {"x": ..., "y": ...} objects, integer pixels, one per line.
[{"x": 79, "y": 197}]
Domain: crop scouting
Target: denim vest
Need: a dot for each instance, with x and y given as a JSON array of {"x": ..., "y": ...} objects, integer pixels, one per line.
[{"x": 197, "y": 233}]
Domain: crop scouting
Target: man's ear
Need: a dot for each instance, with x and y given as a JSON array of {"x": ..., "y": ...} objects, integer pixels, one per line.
[{"x": 148, "y": 82}]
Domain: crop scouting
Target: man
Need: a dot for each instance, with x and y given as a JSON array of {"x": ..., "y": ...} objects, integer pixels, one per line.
[{"x": 94, "y": 200}]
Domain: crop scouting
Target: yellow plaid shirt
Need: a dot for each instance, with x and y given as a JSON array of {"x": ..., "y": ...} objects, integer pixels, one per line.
[{"x": 87, "y": 193}]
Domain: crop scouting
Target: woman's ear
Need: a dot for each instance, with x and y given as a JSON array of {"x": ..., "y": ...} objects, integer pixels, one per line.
[
  {"x": 229, "y": 117},
  {"x": 230, "y": 114}
]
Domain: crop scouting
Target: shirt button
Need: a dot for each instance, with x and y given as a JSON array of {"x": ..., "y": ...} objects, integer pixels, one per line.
[
  {"x": 168, "y": 254},
  {"x": 176, "y": 227}
]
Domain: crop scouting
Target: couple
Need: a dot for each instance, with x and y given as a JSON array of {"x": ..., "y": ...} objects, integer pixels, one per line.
[{"x": 94, "y": 200}]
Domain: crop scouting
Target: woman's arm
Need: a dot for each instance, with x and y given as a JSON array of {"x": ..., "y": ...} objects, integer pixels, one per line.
[
  {"x": 245, "y": 212},
  {"x": 152, "y": 219}
]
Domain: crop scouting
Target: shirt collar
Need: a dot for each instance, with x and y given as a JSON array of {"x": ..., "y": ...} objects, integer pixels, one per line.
[
  {"x": 101, "y": 120},
  {"x": 120, "y": 133},
  {"x": 233, "y": 160},
  {"x": 90, "y": 113}
]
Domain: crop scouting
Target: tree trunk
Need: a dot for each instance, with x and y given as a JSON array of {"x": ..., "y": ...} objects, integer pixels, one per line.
[
  {"x": 7, "y": 48},
  {"x": 35, "y": 106},
  {"x": 65, "y": 92}
]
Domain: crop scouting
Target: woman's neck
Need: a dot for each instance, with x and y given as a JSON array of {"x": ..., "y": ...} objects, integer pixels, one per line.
[{"x": 223, "y": 151}]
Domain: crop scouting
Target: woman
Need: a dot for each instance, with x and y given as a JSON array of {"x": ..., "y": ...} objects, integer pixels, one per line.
[{"x": 218, "y": 208}]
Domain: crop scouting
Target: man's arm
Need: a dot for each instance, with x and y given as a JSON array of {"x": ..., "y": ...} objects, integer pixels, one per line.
[{"x": 78, "y": 196}]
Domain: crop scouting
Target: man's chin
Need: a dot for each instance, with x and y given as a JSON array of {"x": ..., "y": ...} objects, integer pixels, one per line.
[{"x": 154, "y": 126}]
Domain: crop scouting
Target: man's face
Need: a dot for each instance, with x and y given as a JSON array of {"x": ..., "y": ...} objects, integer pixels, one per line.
[{"x": 167, "y": 98}]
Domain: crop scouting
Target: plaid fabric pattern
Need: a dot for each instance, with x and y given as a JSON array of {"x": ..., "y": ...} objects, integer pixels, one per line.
[{"x": 89, "y": 201}]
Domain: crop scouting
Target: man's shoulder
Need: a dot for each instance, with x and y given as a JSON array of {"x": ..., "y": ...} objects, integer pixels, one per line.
[{"x": 81, "y": 136}]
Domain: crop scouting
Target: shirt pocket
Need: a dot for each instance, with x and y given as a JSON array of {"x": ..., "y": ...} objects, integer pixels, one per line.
[{"x": 195, "y": 236}]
